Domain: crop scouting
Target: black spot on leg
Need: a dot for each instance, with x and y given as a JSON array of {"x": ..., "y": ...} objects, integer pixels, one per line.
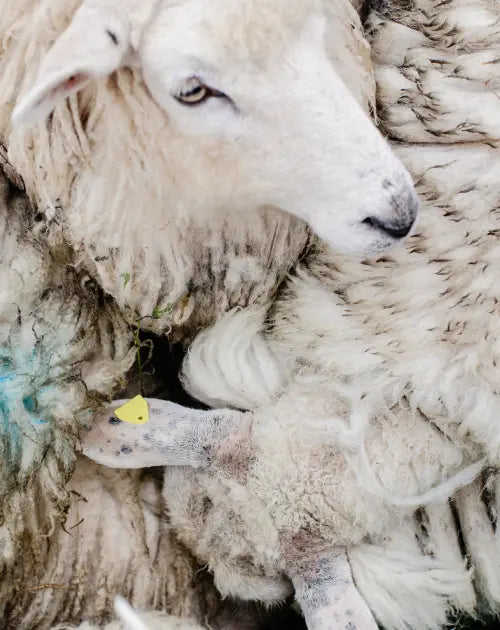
[
  {"x": 112, "y": 37},
  {"x": 114, "y": 420},
  {"x": 126, "y": 449}
]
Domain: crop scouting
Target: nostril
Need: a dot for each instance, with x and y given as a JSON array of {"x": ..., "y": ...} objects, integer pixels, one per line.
[{"x": 397, "y": 229}]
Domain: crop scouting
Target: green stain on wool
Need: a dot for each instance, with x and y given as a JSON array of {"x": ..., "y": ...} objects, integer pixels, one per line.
[
  {"x": 159, "y": 312},
  {"x": 126, "y": 278},
  {"x": 6, "y": 367}
]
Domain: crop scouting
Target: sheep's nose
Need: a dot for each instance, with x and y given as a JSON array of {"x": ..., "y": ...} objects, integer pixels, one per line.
[
  {"x": 404, "y": 211},
  {"x": 396, "y": 229}
]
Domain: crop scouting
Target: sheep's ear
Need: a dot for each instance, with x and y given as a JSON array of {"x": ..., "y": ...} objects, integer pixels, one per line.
[{"x": 95, "y": 44}]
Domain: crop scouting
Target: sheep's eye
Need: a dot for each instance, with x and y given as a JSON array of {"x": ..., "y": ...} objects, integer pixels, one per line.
[
  {"x": 195, "y": 93},
  {"x": 193, "y": 96}
]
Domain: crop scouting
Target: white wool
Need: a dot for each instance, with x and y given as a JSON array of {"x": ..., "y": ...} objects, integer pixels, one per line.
[
  {"x": 407, "y": 589},
  {"x": 417, "y": 328},
  {"x": 481, "y": 539},
  {"x": 114, "y": 523},
  {"x": 58, "y": 361},
  {"x": 244, "y": 564},
  {"x": 231, "y": 363},
  {"x": 130, "y": 619}
]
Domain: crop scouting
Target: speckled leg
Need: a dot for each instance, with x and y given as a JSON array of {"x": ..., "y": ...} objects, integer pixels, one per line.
[
  {"x": 173, "y": 436},
  {"x": 324, "y": 587}
]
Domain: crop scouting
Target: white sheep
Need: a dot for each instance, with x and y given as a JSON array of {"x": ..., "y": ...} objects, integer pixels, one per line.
[
  {"x": 394, "y": 363},
  {"x": 132, "y": 238},
  {"x": 222, "y": 82}
]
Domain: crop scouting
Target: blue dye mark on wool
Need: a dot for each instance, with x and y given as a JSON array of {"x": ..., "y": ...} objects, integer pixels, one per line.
[
  {"x": 31, "y": 406},
  {"x": 21, "y": 375}
]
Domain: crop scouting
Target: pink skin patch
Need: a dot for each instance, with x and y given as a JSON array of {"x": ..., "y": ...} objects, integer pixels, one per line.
[
  {"x": 75, "y": 82},
  {"x": 63, "y": 89},
  {"x": 324, "y": 586}
]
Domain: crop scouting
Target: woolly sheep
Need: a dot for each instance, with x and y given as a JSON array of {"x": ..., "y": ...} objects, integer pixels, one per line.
[
  {"x": 408, "y": 339},
  {"x": 64, "y": 348},
  {"x": 221, "y": 78},
  {"x": 83, "y": 216}
]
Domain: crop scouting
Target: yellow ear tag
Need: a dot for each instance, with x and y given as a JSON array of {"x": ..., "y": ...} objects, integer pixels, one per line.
[{"x": 135, "y": 411}]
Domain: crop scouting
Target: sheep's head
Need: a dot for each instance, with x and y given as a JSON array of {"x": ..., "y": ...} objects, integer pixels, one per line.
[{"x": 257, "y": 112}]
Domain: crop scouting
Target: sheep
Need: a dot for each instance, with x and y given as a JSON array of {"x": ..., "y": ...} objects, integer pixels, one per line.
[
  {"x": 154, "y": 277},
  {"x": 221, "y": 101},
  {"x": 64, "y": 348},
  {"x": 410, "y": 337},
  {"x": 224, "y": 262}
]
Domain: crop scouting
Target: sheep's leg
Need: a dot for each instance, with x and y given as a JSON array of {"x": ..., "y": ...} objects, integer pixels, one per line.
[
  {"x": 173, "y": 436},
  {"x": 324, "y": 587}
]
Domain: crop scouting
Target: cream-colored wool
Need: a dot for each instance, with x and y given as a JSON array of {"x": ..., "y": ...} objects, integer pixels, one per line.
[
  {"x": 65, "y": 348},
  {"x": 67, "y": 547},
  {"x": 96, "y": 174},
  {"x": 418, "y": 327}
]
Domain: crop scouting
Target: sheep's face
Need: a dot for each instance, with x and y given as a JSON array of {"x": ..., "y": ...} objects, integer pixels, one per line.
[{"x": 255, "y": 108}]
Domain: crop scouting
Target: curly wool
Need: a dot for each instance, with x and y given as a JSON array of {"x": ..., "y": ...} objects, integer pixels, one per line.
[{"x": 418, "y": 328}]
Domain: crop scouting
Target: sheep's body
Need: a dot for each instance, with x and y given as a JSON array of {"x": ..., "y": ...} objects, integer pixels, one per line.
[
  {"x": 64, "y": 349},
  {"x": 420, "y": 327},
  {"x": 228, "y": 261},
  {"x": 402, "y": 356}
]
